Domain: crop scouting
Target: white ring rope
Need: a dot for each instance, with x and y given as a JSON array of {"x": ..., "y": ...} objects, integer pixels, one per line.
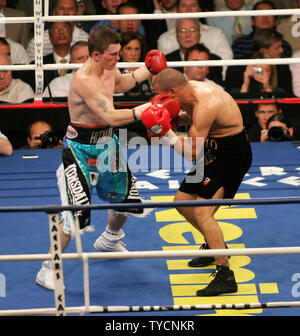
[
  {"x": 39, "y": 20},
  {"x": 118, "y": 17},
  {"x": 57, "y": 257},
  {"x": 233, "y": 62},
  {"x": 157, "y": 254}
]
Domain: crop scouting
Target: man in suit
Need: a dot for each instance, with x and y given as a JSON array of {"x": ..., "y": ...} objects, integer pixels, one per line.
[
  {"x": 61, "y": 7},
  {"x": 188, "y": 34},
  {"x": 60, "y": 35},
  {"x": 18, "y": 32}
]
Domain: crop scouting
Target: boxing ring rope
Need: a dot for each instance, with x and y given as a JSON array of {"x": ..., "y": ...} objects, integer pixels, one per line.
[
  {"x": 233, "y": 62},
  {"x": 39, "y": 20},
  {"x": 57, "y": 256},
  {"x": 118, "y": 17}
]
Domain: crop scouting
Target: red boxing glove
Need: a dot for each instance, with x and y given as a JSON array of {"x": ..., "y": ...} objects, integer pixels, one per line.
[
  {"x": 169, "y": 103},
  {"x": 155, "y": 61},
  {"x": 156, "y": 119}
]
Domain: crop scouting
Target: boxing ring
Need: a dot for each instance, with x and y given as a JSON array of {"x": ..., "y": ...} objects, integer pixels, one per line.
[
  {"x": 259, "y": 225},
  {"x": 158, "y": 253}
]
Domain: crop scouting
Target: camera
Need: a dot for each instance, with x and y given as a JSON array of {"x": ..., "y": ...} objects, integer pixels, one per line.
[
  {"x": 257, "y": 70},
  {"x": 49, "y": 139},
  {"x": 278, "y": 134}
]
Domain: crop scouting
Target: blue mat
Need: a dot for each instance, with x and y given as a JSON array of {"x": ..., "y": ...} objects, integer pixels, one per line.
[{"x": 274, "y": 173}]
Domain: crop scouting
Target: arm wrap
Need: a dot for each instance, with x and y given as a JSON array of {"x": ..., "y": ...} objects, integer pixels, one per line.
[{"x": 141, "y": 74}]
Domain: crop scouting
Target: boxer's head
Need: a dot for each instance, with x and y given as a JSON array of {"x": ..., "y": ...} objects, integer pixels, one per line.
[{"x": 172, "y": 82}]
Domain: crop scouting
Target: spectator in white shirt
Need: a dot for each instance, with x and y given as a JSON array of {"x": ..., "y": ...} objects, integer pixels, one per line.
[
  {"x": 5, "y": 145},
  {"x": 62, "y": 7},
  {"x": 12, "y": 90},
  {"x": 212, "y": 37},
  {"x": 189, "y": 32},
  {"x": 59, "y": 86},
  {"x": 15, "y": 50}
]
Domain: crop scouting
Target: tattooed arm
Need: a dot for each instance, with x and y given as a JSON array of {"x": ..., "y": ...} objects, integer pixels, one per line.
[{"x": 90, "y": 102}]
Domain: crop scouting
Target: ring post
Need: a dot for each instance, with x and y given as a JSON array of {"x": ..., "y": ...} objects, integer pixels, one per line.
[{"x": 59, "y": 292}]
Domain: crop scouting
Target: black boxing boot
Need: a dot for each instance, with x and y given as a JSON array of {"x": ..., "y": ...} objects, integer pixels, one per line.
[
  {"x": 203, "y": 261},
  {"x": 224, "y": 282}
]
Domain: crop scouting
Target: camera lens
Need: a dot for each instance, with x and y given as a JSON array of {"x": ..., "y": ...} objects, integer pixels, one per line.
[
  {"x": 49, "y": 139},
  {"x": 278, "y": 134}
]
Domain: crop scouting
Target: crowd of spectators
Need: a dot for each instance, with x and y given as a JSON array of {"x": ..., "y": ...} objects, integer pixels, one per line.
[{"x": 184, "y": 39}]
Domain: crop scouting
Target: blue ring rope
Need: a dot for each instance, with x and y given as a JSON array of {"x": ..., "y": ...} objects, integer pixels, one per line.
[{"x": 51, "y": 209}]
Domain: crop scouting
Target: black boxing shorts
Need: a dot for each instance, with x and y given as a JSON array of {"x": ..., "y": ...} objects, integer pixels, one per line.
[{"x": 226, "y": 161}]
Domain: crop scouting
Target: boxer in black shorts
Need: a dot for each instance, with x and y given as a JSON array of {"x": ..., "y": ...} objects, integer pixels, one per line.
[
  {"x": 215, "y": 118},
  {"x": 226, "y": 161}
]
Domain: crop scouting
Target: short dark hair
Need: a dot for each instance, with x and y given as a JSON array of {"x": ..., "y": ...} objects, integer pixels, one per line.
[
  {"x": 130, "y": 4},
  {"x": 198, "y": 47},
  {"x": 265, "y": 2},
  {"x": 264, "y": 38},
  {"x": 128, "y": 36},
  {"x": 101, "y": 37},
  {"x": 3, "y": 41},
  {"x": 56, "y": 1},
  {"x": 256, "y": 106}
]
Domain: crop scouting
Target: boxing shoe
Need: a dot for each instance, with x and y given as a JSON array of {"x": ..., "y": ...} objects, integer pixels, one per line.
[
  {"x": 109, "y": 242},
  {"x": 223, "y": 282},
  {"x": 203, "y": 261},
  {"x": 45, "y": 276}
]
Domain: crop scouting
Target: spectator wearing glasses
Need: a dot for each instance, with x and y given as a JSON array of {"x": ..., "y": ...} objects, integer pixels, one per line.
[
  {"x": 61, "y": 7},
  {"x": 188, "y": 33},
  {"x": 212, "y": 37},
  {"x": 60, "y": 36}
]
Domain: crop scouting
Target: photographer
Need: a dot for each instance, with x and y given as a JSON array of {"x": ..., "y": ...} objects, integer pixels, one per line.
[
  {"x": 279, "y": 128},
  {"x": 258, "y": 132},
  {"x": 41, "y": 135},
  {"x": 255, "y": 80}
]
